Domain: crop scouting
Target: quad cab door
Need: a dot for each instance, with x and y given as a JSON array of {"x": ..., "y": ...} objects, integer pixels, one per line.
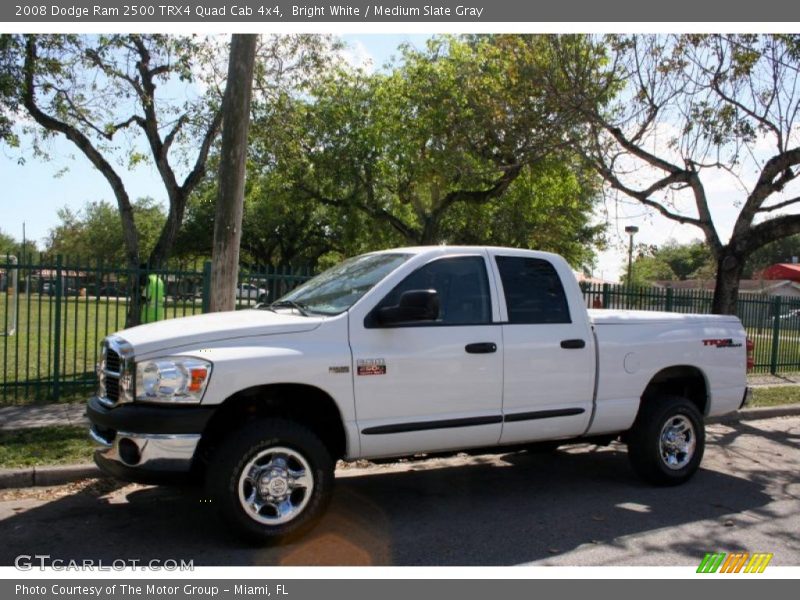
[
  {"x": 549, "y": 350},
  {"x": 435, "y": 383}
]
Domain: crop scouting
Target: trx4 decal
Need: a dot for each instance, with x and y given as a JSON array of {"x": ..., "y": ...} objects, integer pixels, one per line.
[{"x": 725, "y": 343}]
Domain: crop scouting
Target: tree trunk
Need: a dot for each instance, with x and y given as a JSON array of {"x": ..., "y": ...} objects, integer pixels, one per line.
[
  {"x": 726, "y": 291},
  {"x": 169, "y": 233},
  {"x": 230, "y": 198}
]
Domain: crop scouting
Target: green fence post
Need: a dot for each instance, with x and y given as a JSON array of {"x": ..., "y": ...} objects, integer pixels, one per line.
[
  {"x": 606, "y": 295},
  {"x": 207, "y": 286},
  {"x": 776, "y": 330},
  {"x": 668, "y": 301},
  {"x": 57, "y": 332}
]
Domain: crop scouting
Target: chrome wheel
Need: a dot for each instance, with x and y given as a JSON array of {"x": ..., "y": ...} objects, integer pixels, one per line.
[
  {"x": 275, "y": 485},
  {"x": 677, "y": 442}
]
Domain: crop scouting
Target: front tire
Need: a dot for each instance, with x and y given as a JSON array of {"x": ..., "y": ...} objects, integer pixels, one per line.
[
  {"x": 271, "y": 479},
  {"x": 667, "y": 441}
]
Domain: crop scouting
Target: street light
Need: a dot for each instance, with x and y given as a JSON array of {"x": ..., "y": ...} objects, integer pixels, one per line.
[{"x": 630, "y": 230}]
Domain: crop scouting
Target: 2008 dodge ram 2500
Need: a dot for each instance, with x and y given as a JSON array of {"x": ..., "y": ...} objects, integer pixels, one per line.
[{"x": 401, "y": 352}]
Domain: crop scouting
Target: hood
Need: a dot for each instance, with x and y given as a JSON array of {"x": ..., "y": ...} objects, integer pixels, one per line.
[{"x": 214, "y": 327}]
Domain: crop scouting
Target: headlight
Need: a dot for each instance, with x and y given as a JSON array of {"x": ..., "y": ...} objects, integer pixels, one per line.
[{"x": 172, "y": 379}]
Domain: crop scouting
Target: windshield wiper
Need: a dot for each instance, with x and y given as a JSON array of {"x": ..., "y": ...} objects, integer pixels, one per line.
[{"x": 301, "y": 308}]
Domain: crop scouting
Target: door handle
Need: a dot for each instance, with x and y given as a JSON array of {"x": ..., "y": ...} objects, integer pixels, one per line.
[
  {"x": 481, "y": 348},
  {"x": 573, "y": 344}
]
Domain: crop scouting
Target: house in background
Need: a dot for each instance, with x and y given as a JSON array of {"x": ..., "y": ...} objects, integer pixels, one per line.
[
  {"x": 766, "y": 287},
  {"x": 782, "y": 271}
]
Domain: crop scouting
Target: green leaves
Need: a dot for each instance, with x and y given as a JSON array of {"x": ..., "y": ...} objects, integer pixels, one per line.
[
  {"x": 673, "y": 261},
  {"x": 95, "y": 232},
  {"x": 450, "y": 126}
]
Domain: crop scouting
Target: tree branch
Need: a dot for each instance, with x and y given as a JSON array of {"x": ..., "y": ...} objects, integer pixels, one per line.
[
  {"x": 769, "y": 231},
  {"x": 783, "y": 204},
  {"x": 174, "y": 132},
  {"x": 747, "y": 110},
  {"x": 498, "y": 188},
  {"x": 775, "y": 174},
  {"x": 85, "y": 145},
  {"x": 643, "y": 196},
  {"x": 638, "y": 151},
  {"x": 199, "y": 168}
]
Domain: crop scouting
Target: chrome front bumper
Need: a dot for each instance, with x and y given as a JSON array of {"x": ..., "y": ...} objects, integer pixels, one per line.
[{"x": 159, "y": 452}]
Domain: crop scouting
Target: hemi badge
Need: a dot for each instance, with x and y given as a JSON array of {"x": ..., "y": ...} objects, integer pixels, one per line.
[
  {"x": 338, "y": 370},
  {"x": 371, "y": 366}
]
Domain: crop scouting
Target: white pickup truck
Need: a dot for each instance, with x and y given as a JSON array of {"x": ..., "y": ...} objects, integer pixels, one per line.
[{"x": 403, "y": 352}]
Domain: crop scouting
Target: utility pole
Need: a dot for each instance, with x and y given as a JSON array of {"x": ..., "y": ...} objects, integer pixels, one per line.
[
  {"x": 631, "y": 230},
  {"x": 233, "y": 156}
]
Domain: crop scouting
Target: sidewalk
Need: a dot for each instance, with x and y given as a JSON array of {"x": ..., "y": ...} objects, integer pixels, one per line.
[
  {"x": 767, "y": 380},
  {"x": 42, "y": 415}
]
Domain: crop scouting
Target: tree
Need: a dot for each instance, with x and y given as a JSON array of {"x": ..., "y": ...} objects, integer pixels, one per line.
[
  {"x": 9, "y": 78},
  {"x": 692, "y": 107},
  {"x": 105, "y": 94},
  {"x": 283, "y": 227},
  {"x": 673, "y": 262},
  {"x": 10, "y": 246},
  {"x": 92, "y": 89},
  {"x": 548, "y": 207},
  {"x": 230, "y": 198},
  {"x": 453, "y": 125},
  {"x": 95, "y": 231}
]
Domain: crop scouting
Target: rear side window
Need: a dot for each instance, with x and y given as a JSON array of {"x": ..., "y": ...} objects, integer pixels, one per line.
[{"x": 533, "y": 291}]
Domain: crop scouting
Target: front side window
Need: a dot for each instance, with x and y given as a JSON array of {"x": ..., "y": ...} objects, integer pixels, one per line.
[
  {"x": 533, "y": 291},
  {"x": 462, "y": 286},
  {"x": 337, "y": 289}
]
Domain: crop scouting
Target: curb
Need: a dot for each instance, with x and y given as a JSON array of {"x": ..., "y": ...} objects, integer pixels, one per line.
[
  {"x": 754, "y": 414},
  {"x": 47, "y": 475}
]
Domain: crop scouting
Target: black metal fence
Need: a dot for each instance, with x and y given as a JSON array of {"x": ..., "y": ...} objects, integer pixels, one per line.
[
  {"x": 772, "y": 322},
  {"x": 54, "y": 312}
]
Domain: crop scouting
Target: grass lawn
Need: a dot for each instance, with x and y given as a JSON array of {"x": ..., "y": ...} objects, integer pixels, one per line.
[
  {"x": 27, "y": 358},
  {"x": 776, "y": 395},
  {"x": 60, "y": 445}
]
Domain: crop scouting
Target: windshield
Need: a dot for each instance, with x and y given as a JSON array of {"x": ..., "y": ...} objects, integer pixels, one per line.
[{"x": 337, "y": 289}]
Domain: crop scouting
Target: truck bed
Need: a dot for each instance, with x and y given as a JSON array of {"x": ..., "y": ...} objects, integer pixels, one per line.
[{"x": 634, "y": 346}]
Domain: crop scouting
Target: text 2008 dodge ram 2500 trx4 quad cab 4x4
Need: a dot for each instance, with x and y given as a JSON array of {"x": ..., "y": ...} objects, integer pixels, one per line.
[{"x": 401, "y": 352}]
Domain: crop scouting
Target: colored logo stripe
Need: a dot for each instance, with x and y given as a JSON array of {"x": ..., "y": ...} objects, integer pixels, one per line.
[
  {"x": 711, "y": 562},
  {"x": 734, "y": 563},
  {"x": 758, "y": 563}
]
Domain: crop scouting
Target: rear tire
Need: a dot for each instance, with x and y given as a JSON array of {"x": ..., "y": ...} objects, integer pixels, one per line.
[
  {"x": 667, "y": 441},
  {"x": 271, "y": 479}
]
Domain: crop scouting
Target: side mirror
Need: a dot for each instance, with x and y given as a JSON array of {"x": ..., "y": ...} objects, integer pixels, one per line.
[{"x": 415, "y": 305}]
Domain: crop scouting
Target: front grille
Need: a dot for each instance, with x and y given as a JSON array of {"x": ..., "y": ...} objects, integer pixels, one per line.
[
  {"x": 114, "y": 371},
  {"x": 112, "y": 389},
  {"x": 113, "y": 362}
]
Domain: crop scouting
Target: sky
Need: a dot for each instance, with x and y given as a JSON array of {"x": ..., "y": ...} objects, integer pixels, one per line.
[{"x": 33, "y": 192}]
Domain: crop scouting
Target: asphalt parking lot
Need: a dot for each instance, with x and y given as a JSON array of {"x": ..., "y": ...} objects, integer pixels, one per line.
[{"x": 582, "y": 506}]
